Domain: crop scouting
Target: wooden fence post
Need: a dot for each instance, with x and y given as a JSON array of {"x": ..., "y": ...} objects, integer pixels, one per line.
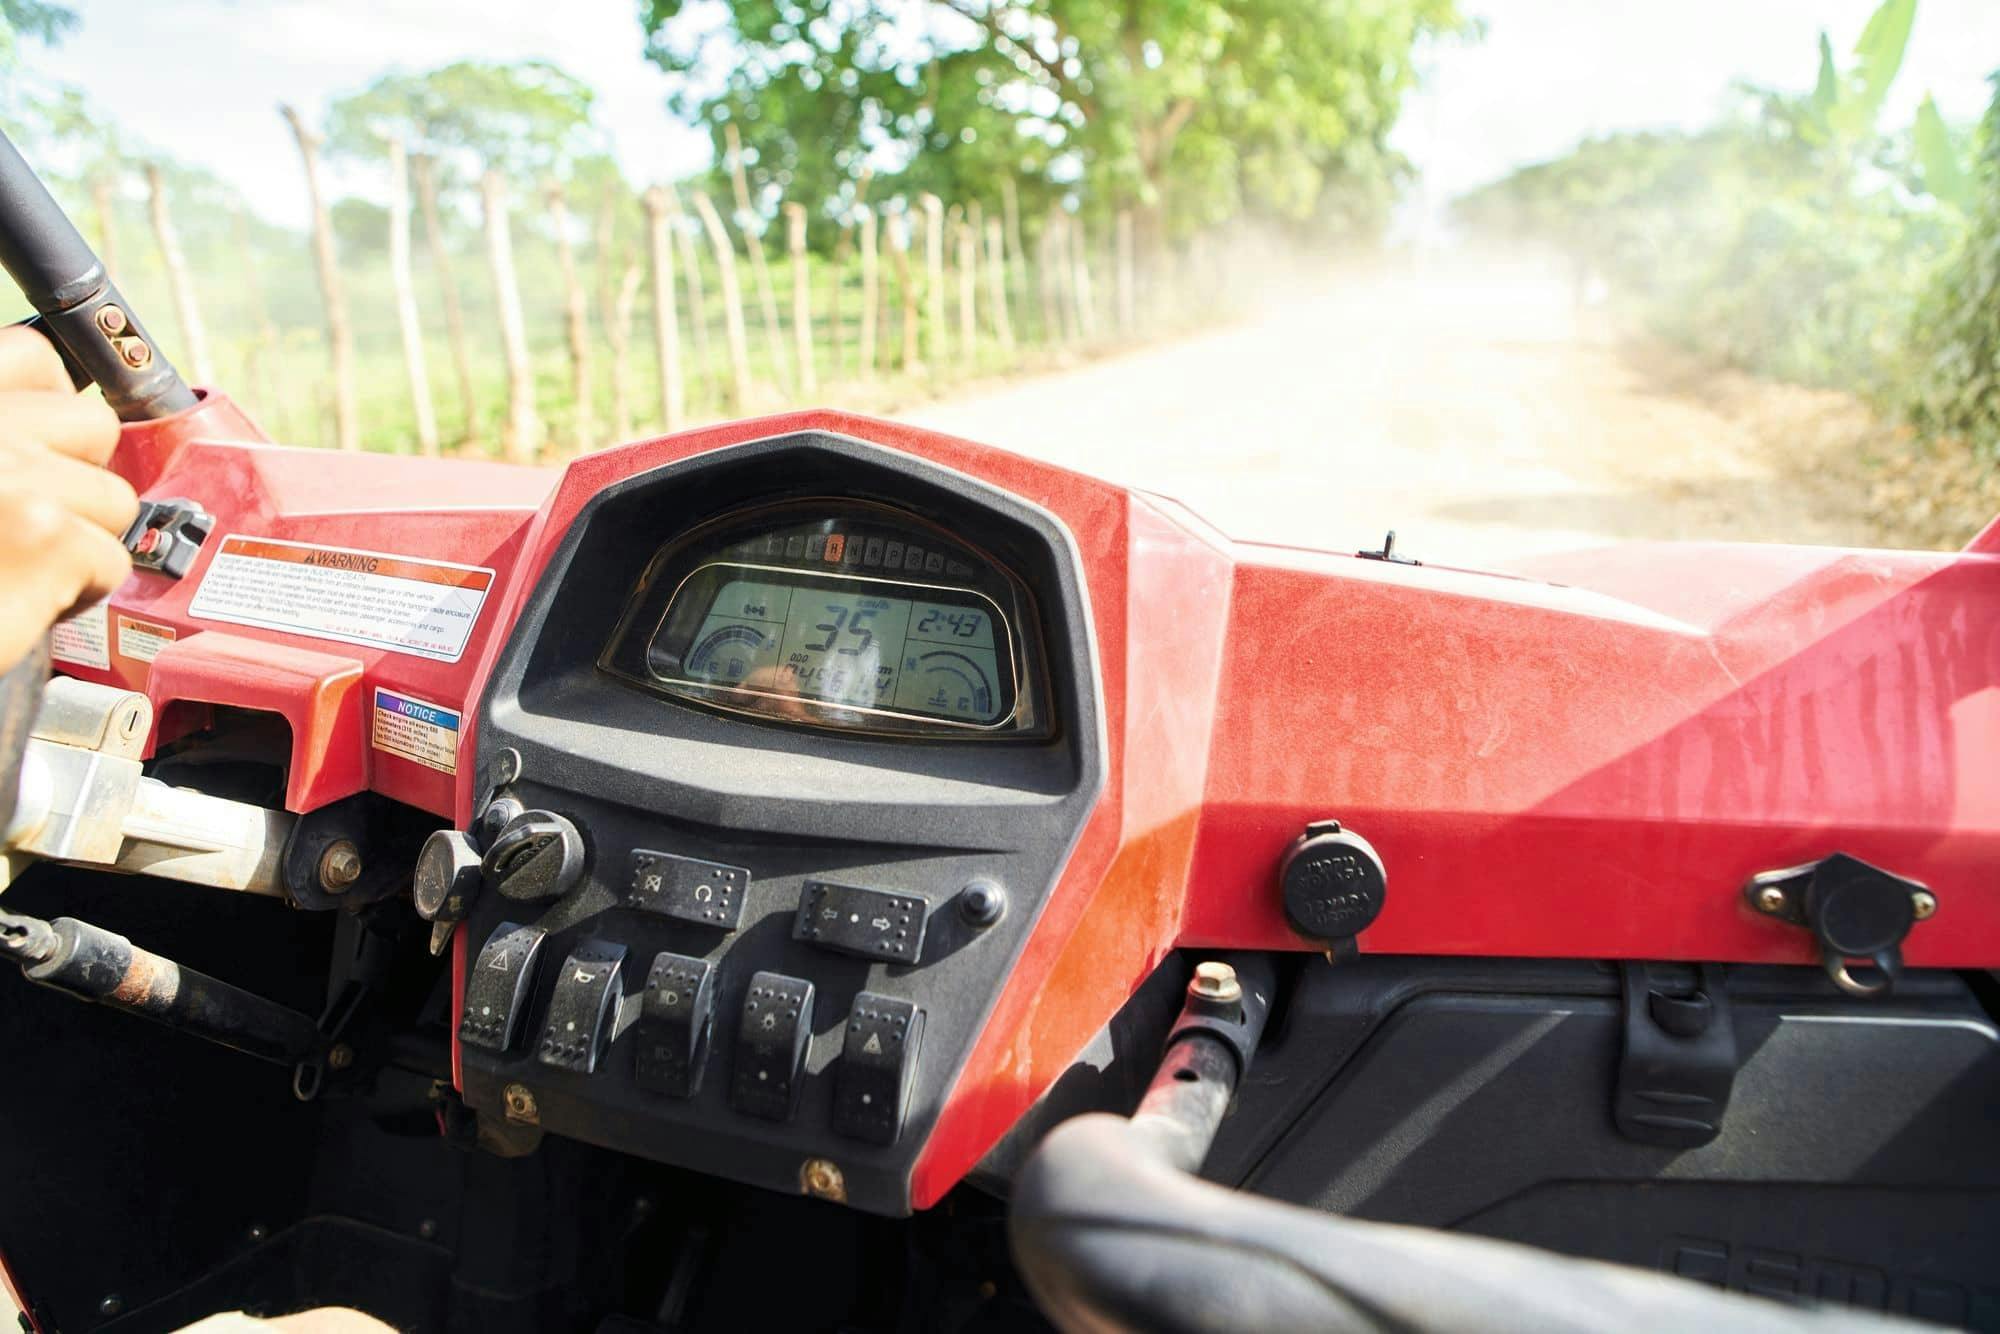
[
  {"x": 346, "y": 417},
  {"x": 1046, "y": 281},
  {"x": 618, "y": 328},
  {"x": 1010, "y": 209},
  {"x": 576, "y": 320},
  {"x": 751, "y": 225},
  {"x": 996, "y": 286},
  {"x": 802, "y": 331},
  {"x": 521, "y": 430},
  {"x": 194, "y": 334},
  {"x": 697, "y": 290},
  {"x": 968, "y": 287},
  {"x": 906, "y": 291},
  {"x": 1128, "y": 278},
  {"x": 422, "y": 168},
  {"x": 406, "y": 299},
  {"x": 264, "y": 362},
  {"x": 732, "y": 298},
  {"x": 1065, "y": 265},
  {"x": 934, "y": 280},
  {"x": 666, "y": 320},
  {"x": 1086, "y": 298},
  {"x": 870, "y": 287}
]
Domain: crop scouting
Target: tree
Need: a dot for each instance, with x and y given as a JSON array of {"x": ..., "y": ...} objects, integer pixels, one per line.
[
  {"x": 1192, "y": 108},
  {"x": 36, "y": 20}
]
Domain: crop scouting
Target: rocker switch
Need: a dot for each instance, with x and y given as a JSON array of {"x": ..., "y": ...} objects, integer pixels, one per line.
[
  {"x": 497, "y": 991},
  {"x": 772, "y": 1035},
  {"x": 675, "y": 1018},
  {"x": 877, "y": 1058},
  {"x": 584, "y": 1008}
]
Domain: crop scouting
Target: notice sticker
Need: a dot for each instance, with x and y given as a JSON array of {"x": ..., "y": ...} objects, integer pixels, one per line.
[
  {"x": 142, "y": 641},
  {"x": 426, "y": 733},
  {"x": 406, "y": 604},
  {"x": 83, "y": 639}
]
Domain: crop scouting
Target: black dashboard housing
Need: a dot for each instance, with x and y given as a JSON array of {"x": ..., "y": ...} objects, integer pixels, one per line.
[{"x": 790, "y": 804}]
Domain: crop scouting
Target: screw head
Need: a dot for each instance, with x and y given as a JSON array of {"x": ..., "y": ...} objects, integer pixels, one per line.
[
  {"x": 822, "y": 1178},
  {"x": 427, "y": 1229},
  {"x": 339, "y": 866},
  {"x": 982, "y": 903},
  {"x": 1215, "y": 981},
  {"x": 1923, "y": 903},
  {"x": 1770, "y": 899},
  {"x": 136, "y": 353},
  {"x": 257, "y": 1232},
  {"x": 110, "y": 1304},
  {"x": 340, "y": 1057},
  {"x": 110, "y": 320},
  {"x": 521, "y": 1104}
]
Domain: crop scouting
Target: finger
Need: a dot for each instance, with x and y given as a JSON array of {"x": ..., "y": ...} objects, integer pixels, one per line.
[
  {"x": 98, "y": 497},
  {"x": 55, "y": 562},
  {"x": 83, "y": 428},
  {"x": 29, "y": 361}
]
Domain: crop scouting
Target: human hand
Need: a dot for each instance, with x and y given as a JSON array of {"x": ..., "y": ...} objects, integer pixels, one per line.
[{"x": 61, "y": 513}]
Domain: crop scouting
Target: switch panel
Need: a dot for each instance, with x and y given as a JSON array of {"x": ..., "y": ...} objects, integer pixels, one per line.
[
  {"x": 704, "y": 892},
  {"x": 675, "y": 1018},
  {"x": 771, "y": 1042},
  {"x": 584, "y": 1008},
  {"x": 873, "y": 923},
  {"x": 497, "y": 991},
  {"x": 878, "y": 1055}
]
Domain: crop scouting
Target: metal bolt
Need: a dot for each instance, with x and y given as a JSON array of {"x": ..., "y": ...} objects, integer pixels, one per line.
[
  {"x": 1215, "y": 981},
  {"x": 257, "y": 1232},
  {"x": 1924, "y": 902},
  {"x": 110, "y": 321},
  {"x": 340, "y": 1057},
  {"x": 821, "y": 1177},
  {"x": 1770, "y": 899},
  {"x": 135, "y": 352},
  {"x": 110, "y": 1304},
  {"x": 427, "y": 1229},
  {"x": 339, "y": 865},
  {"x": 521, "y": 1105}
]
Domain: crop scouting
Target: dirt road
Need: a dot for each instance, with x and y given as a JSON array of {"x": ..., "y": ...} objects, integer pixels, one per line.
[{"x": 1473, "y": 410}]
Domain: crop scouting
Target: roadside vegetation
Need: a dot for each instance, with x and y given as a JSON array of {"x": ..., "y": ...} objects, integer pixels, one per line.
[{"x": 1805, "y": 239}]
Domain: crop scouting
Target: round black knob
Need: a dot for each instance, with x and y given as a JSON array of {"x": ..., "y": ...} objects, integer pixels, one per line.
[
  {"x": 447, "y": 877},
  {"x": 539, "y": 855},
  {"x": 1334, "y": 885},
  {"x": 982, "y": 903}
]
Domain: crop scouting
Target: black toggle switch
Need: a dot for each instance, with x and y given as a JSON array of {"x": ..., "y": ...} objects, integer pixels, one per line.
[
  {"x": 771, "y": 1041},
  {"x": 539, "y": 855},
  {"x": 675, "y": 1018},
  {"x": 584, "y": 1007},
  {"x": 878, "y": 1056},
  {"x": 497, "y": 990},
  {"x": 704, "y": 892},
  {"x": 873, "y": 923}
]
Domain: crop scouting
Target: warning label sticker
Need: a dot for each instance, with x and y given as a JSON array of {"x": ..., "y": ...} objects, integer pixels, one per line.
[
  {"x": 142, "y": 641},
  {"x": 404, "y": 603},
  {"x": 83, "y": 639},
  {"x": 426, "y": 733}
]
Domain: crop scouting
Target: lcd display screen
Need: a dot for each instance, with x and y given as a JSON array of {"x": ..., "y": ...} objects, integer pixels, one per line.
[{"x": 845, "y": 641}]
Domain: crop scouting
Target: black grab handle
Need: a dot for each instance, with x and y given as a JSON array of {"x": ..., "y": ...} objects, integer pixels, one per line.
[{"x": 80, "y": 307}]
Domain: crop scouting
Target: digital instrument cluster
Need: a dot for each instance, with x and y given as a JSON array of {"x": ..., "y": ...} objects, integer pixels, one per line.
[{"x": 836, "y": 614}]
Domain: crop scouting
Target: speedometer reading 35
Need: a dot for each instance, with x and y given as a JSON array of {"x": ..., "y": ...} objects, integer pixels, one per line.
[{"x": 838, "y": 640}]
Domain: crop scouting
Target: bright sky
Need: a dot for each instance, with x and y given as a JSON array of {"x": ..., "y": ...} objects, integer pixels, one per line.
[{"x": 202, "y": 78}]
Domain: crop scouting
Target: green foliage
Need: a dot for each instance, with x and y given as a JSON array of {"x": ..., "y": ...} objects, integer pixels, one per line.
[
  {"x": 1958, "y": 327},
  {"x": 37, "y": 20},
  {"x": 528, "y": 119},
  {"x": 1191, "y": 109},
  {"x": 1795, "y": 239}
]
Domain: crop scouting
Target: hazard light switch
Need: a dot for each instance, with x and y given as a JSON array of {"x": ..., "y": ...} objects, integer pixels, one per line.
[
  {"x": 878, "y": 1056},
  {"x": 497, "y": 989}
]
